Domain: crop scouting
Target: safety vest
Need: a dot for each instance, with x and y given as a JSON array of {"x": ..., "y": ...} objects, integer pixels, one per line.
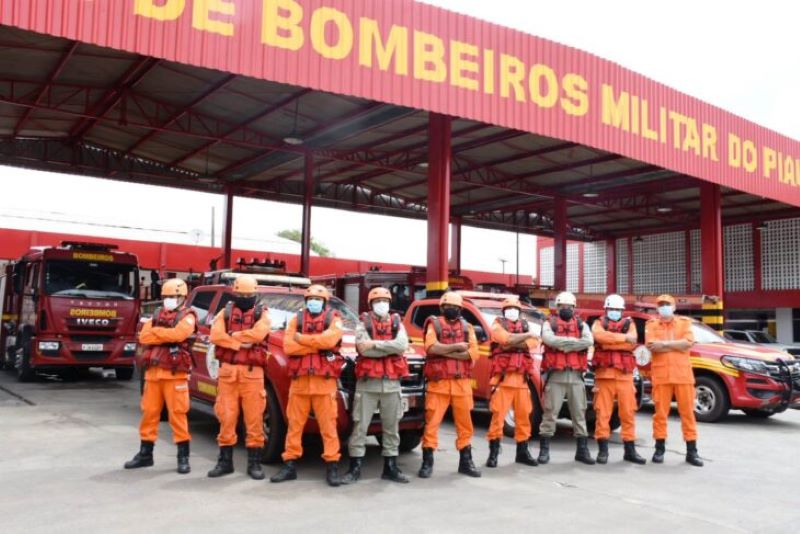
[
  {"x": 439, "y": 367},
  {"x": 235, "y": 321},
  {"x": 175, "y": 357},
  {"x": 326, "y": 363},
  {"x": 556, "y": 360},
  {"x": 392, "y": 366},
  {"x": 511, "y": 360},
  {"x": 623, "y": 360}
]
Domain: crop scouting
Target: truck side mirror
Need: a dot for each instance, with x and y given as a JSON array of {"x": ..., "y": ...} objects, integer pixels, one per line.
[
  {"x": 480, "y": 333},
  {"x": 19, "y": 277}
]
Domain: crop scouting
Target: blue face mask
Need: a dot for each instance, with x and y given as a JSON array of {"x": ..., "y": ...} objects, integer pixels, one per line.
[
  {"x": 314, "y": 306},
  {"x": 665, "y": 311},
  {"x": 614, "y": 315}
]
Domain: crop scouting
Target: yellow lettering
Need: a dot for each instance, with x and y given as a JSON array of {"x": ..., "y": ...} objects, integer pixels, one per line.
[
  {"x": 616, "y": 112},
  {"x": 662, "y": 124},
  {"x": 395, "y": 47},
  {"x": 201, "y": 19},
  {"x": 709, "y": 142},
  {"x": 280, "y": 26},
  {"x": 488, "y": 71},
  {"x": 344, "y": 42},
  {"x": 459, "y": 65},
  {"x": 770, "y": 161},
  {"x": 647, "y": 132},
  {"x": 548, "y": 97},
  {"x": 512, "y": 71},
  {"x": 677, "y": 120},
  {"x": 749, "y": 156},
  {"x": 635, "y": 113},
  {"x": 734, "y": 151},
  {"x": 789, "y": 171},
  {"x": 170, "y": 10},
  {"x": 576, "y": 98},
  {"x": 692, "y": 139},
  {"x": 429, "y": 58}
]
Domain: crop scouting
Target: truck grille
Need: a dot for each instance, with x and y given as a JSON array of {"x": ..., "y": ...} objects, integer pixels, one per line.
[
  {"x": 416, "y": 379},
  {"x": 90, "y": 355},
  {"x": 85, "y": 338}
]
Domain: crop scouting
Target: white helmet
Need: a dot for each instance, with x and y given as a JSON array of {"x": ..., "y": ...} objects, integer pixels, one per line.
[
  {"x": 615, "y": 302},
  {"x": 565, "y": 297}
]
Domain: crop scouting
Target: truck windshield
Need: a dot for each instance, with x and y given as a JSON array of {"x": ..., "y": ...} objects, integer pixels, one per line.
[
  {"x": 704, "y": 334},
  {"x": 282, "y": 306},
  {"x": 533, "y": 317},
  {"x": 762, "y": 337},
  {"x": 65, "y": 278}
]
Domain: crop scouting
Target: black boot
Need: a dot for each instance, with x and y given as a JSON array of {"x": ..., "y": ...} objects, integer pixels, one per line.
[
  {"x": 602, "y": 451},
  {"x": 254, "y": 463},
  {"x": 391, "y": 471},
  {"x": 183, "y": 458},
  {"x": 465, "y": 463},
  {"x": 524, "y": 455},
  {"x": 494, "y": 452},
  {"x": 631, "y": 455},
  {"x": 143, "y": 458},
  {"x": 332, "y": 476},
  {"x": 427, "y": 463},
  {"x": 544, "y": 450},
  {"x": 354, "y": 473},
  {"x": 582, "y": 452},
  {"x": 661, "y": 448},
  {"x": 691, "y": 454},
  {"x": 287, "y": 472},
  {"x": 224, "y": 462}
]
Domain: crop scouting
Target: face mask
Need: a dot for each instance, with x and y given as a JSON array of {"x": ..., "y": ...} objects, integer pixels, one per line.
[
  {"x": 245, "y": 303},
  {"x": 665, "y": 311},
  {"x": 565, "y": 313},
  {"x": 170, "y": 303},
  {"x": 614, "y": 315},
  {"x": 451, "y": 314},
  {"x": 314, "y": 306},
  {"x": 381, "y": 308},
  {"x": 512, "y": 314}
]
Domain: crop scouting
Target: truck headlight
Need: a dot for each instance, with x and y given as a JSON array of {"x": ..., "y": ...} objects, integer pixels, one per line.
[
  {"x": 748, "y": 365},
  {"x": 129, "y": 347},
  {"x": 49, "y": 346}
]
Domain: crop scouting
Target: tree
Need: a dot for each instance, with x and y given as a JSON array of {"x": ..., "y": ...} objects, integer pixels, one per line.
[{"x": 297, "y": 237}]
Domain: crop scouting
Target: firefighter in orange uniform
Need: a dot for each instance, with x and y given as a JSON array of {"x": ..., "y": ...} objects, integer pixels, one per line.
[
  {"x": 512, "y": 367},
  {"x": 669, "y": 338},
  {"x": 167, "y": 361},
  {"x": 451, "y": 348},
  {"x": 613, "y": 363},
  {"x": 311, "y": 343},
  {"x": 239, "y": 334}
]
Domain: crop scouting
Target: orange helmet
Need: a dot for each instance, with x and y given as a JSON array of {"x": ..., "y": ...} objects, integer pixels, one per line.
[
  {"x": 511, "y": 302},
  {"x": 245, "y": 284},
  {"x": 317, "y": 291},
  {"x": 454, "y": 299},
  {"x": 378, "y": 293},
  {"x": 174, "y": 287}
]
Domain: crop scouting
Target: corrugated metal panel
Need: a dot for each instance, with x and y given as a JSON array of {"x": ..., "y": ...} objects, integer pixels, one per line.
[
  {"x": 546, "y": 266},
  {"x": 622, "y": 265},
  {"x": 738, "y": 250},
  {"x": 659, "y": 264},
  {"x": 780, "y": 254},
  {"x": 114, "y": 24},
  {"x": 595, "y": 276}
]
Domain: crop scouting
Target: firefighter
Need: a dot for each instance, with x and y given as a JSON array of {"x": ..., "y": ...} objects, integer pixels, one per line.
[
  {"x": 381, "y": 342},
  {"x": 311, "y": 343},
  {"x": 239, "y": 334},
  {"x": 567, "y": 339},
  {"x": 451, "y": 348},
  {"x": 167, "y": 361},
  {"x": 512, "y": 367},
  {"x": 669, "y": 338},
  {"x": 615, "y": 338}
]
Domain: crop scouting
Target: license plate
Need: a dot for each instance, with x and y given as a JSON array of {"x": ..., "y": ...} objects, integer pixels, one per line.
[{"x": 92, "y": 347}]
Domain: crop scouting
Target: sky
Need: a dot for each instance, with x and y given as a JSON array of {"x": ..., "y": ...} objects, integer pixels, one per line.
[{"x": 739, "y": 55}]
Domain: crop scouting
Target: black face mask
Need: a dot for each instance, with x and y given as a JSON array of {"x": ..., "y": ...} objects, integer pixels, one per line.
[
  {"x": 451, "y": 314},
  {"x": 566, "y": 314},
  {"x": 244, "y": 303}
]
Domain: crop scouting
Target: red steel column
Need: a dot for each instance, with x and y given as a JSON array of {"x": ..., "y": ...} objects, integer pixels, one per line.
[
  {"x": 687, "y": 242},
  {"x": 560, "y": 244},
  {"x": 455, "y": 245},
  {"x": 439, "y": 132},
  {"x": 611, "y": 265},
  {"x": 227, "y": 233},
  {"x": 713, "y": 260},
  {"x": 308, "y": 194}
]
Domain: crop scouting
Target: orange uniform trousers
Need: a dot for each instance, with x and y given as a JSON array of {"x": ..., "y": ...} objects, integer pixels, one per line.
[
  {"x": 315, "y": 393},
  {"x": 448, "y": 392},
  {"x": 684, "y": 394},
  {"x": 614, "y": 384},
  {"x": 162, "y": 387},
  {"x": 240, "y": 385},
  {"x": 513, "y": 392}
]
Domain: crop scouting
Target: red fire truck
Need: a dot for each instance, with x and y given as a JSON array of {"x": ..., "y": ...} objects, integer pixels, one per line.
[{"x": 69, "y": 307}]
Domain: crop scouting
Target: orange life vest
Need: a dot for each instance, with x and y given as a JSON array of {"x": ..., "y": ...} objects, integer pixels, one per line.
[
  {"x": 328, "y": 363},
  {"x": 556, "y": 360},
  {"x": 393, "y": 366},
  {"x": 235, "y": 321},
  {"x": 439, "y": 367},
  {"x": 175, "y": 357},
  {"x": 511, "y": 360},
  {"x": 623, "y": 360}
]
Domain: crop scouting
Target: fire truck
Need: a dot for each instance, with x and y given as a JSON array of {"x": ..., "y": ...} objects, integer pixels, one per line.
[
  {"x": 405, "y": 286},
  {"x": 69, "y": 307}
]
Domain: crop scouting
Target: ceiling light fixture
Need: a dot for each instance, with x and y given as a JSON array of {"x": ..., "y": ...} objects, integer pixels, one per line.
[
  {"x": 663, "y": 209},
  {"x": 591, "y": 194},
  {"x": 638, "y": 239}
]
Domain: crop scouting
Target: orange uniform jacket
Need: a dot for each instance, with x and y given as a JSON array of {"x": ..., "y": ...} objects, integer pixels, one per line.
[
  {"x": 310, "y": 344},
  {"x": 673, "y": 367},
  {"x": 456, "y": 387},
  {"x": 500, "y": 336},
  {"x": 160, "y": 335},
  {"x": 613, "y": 342}
]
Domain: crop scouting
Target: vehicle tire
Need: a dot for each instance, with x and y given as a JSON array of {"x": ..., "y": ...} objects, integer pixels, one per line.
[
  {"x": 711, "y": 399},
  {"x": 509, "y": 424},
  {"x": 274, "y": 429},
  {"x": 124, "y": 373},
  {"x": 25, "y": 373},
  {"x": 410, "y": 439},
  {"x": 758, "y": 414}
]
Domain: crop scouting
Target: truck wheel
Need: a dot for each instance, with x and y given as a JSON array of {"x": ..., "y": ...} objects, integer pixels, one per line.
[
  {"x": 711, "y": 400},
  {"x": 510, "y": 424},
  {"x": 124, "y": 373},
  {"x": 410, "y": 439},
  {"x": 25, "y": 373},
  {"x": 758, "y": 414},
  {"x": 274, "y": 429}
]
